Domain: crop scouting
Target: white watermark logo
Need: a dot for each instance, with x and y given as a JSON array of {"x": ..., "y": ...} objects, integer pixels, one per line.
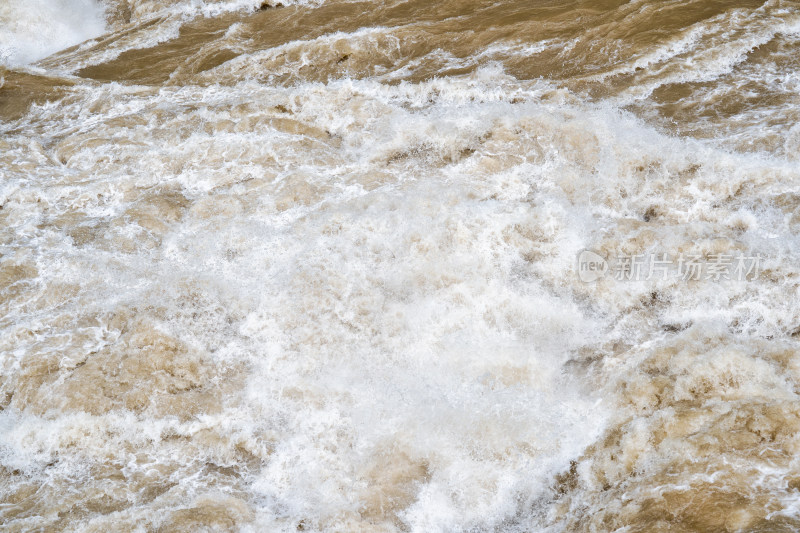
[
  {"x": 591, "y": 266},
  {"x": 662, "y": 266}
]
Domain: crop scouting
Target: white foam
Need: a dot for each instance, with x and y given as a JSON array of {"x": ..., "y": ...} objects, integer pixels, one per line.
[{"x": 33, "y": 29}]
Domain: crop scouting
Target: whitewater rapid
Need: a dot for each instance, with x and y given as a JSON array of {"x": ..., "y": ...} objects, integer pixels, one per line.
[
  {"x": 32, "y": 30},
  {"x": 314, "y": 267}
]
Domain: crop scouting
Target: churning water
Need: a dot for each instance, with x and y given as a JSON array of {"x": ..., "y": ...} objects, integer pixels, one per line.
[{"x": 313, "y": 265}]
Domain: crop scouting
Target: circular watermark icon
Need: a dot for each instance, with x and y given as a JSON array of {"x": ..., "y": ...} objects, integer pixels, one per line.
[{"x": 591, "y": 266}]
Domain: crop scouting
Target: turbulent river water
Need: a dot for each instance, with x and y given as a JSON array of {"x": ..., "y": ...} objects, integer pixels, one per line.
[{"x": 317, "y": 265}]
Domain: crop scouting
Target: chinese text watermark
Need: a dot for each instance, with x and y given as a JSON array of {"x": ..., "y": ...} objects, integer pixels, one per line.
[{"x": 662, "y": 266}]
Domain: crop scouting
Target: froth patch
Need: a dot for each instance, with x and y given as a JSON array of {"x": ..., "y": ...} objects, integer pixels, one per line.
[
  {"x": 33, "y": 29},
  {"x": 705, "y": 437}
]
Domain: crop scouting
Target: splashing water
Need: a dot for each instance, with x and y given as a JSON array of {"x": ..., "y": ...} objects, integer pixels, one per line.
[{"x": 313, "y": 266}]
